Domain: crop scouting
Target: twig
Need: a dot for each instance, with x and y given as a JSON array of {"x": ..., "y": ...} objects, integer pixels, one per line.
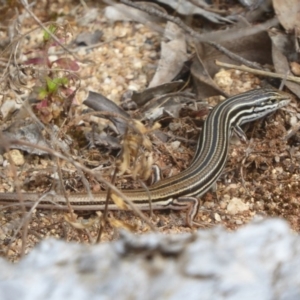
[
  {"x": 155, "y": 12},
  {"x": 235, "y": 33},
  {"x": 149, "y": 197},
  {"x": 133, "y": 207},
  {"x": 235, "y": 57},
  {"x": 63, "y": 188},
  {"x": 24, "y": 223},
  {"x": 259, "y": 72},
  {"x": 47, "y": 30},
  {"x": 102, "y": 224},
  {"x": 80, "y": 48}
]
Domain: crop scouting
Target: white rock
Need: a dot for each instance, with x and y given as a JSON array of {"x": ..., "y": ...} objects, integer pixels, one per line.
[
  {"x": 236, "y": 205},
  {"x": 209, "y": 264},
  {"x": 16, "y": 156}
]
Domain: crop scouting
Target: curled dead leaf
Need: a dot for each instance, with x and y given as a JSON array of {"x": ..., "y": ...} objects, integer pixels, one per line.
[
  {"x": 136, "y": 148},
  {"x": 119, "y": 201},
  {"x": 143, "y": 129},
  {"x": 119, "y": 224},
  {"x": 82, "y": 224},
  {"x": 143, "y": 168}
]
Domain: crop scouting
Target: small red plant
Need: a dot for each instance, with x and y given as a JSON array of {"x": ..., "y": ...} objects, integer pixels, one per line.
[{"x": 55, "y": 88}]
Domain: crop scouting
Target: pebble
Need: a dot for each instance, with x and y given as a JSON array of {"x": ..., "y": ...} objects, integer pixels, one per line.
[
  {"x": 236, "y": 205},
  {"x": 175, "y": 145},
  {"x": 174, "y": 126},
  {"x": 217, "y": 217},
  {"x": 16, "y": 156}
]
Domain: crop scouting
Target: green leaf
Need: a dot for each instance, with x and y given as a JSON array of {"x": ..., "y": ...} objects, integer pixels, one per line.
[
  {"x": 52, "y": 85},
  {"x": 64, "y": 80},
  {"x": 60, "y": 81},
  {"x": 52, "y": 28},
  {"x": 43, "y": 93}
]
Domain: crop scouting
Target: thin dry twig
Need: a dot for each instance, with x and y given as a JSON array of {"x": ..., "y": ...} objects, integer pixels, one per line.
[
  {"x": 5, "y": 145},
  {"x": 27, "y": 8},
  {"x": 63, "y": 188},
  {"x": 23, "y": 224},
  {"x": 104, "y": 222},
  {"x": 80, "y": 48},
  {"x": 55, "y": 153},
  {"x": 259, "y": 72},
  {"x": 236, "y": 57},
  {"x": 149, "y": 197}
]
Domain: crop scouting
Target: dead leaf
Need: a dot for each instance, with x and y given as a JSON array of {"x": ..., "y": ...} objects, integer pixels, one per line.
[
  {"x": 173, "y": 56},
  {"x": 137, "y": 150},
  {"x": 98, "y": 102},
  {"x": 141, "y": 98},
  {"x": 28, "y": 132},
  {"x": 170, "y": 105},
  {"x": 90, "y": 16},
  {"x": 253, "y": 4},
  {"x": 143, "y": 168},
  {"x": 118, "y": 201},
  {"x": 285, "y": 43},
  {"x": 255, "y": 48},
  {"x": 288, "y": 13},
  {"x": 120, "y": 224},
  {"x": 102, "y": 139},
  {"x": 204, "y": 84},
  {"x": 126, "y": 101},
  {"x": 280, "y": 61},
  {"x": 82, "y": 224},
  {"x": 8, "y": 107},
  {"x": 188, "y": 8},
  {"x": 88, "y": 38},
  {"x": 143, "y": 129},
  {"x": 122, "y": 12}
]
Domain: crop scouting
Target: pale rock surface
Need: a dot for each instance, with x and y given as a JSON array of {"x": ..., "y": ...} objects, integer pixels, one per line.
[{"x": 259, "y": 261}]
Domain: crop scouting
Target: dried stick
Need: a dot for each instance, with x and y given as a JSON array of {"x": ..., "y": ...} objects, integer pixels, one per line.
[
  {"x": 100, "y": 178},
  {"x": 259, "y": 72},
  {"x": 235, "y": 56},
  {"x": 47, "y": 30}
]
